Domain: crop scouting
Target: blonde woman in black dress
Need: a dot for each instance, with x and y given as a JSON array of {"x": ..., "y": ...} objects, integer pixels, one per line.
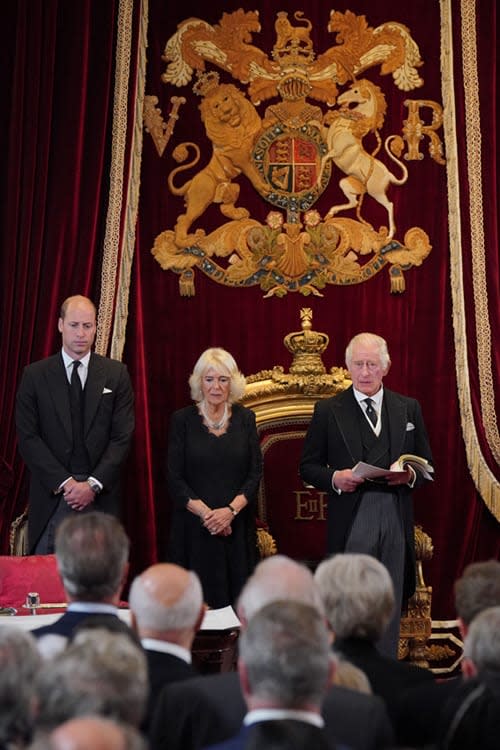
[{"x": 214, "y": 470}]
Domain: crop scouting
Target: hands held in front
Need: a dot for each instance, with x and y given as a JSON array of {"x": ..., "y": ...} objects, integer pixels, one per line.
[
  {"x": 217, "y": 521},
  {"x": 408, "y": 477},
  {"x": 78, "y": 494},
  {"x": 346, "y": 481}
]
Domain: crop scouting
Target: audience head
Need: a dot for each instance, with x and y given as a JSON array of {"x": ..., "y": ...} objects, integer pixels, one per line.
[
  {"x": 284, "y": 657},
  {"x": 278, "y": 577},
  {"x": 482, "y": 643},
  {"x": 358, "y": 595},
  {"x": 100, "y": 672},
  {"x": 92, "y": 552},
  {"x": 477, "y": 589},
  {"x": 166, "y": 600},
  {"x": 350, "y": 676},
  {"x": 91, "y": 733},
  {"x": 222, "y": 363},
  {"x": 19, "y": 664}
]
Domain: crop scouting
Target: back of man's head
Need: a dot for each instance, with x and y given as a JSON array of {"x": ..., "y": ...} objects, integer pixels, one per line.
[
  {"x": 19, "y": 664},
  {"x": 477, "y": 589},
  {"x": 165, "y": 598},
  {"x": 358, "y": 595},
  {"x": 284, "y": 657},
  {"x": 91, "y": 733},
  {"x": 92, "y": 552},
  {"x": 278, "y": 577},
  {"x": 482, "y": 642},
  {"x": 99, "y": 673}
]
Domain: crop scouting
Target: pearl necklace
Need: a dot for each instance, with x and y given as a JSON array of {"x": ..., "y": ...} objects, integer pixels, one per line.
[{"x": 214, "y": 425}]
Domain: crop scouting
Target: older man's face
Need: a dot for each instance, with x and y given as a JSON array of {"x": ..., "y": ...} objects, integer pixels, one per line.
[{"x": 366, "y": 368}]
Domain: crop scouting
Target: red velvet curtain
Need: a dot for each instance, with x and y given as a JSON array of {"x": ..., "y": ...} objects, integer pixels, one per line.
[
  {"x": 57, "y": 81},
  {"x": 58, "y": 72}
]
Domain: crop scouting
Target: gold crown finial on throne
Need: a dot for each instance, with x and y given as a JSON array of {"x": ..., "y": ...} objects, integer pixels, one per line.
[{"x": 307, "y": 346}]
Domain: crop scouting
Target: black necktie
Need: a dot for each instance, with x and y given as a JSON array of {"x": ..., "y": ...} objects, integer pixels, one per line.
[
  {"x": 370, "y": 411},
  {"x": 76, "y": 383}
]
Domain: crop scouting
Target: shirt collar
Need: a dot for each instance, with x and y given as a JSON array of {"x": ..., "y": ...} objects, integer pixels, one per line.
[
  {"x": 93, "y": 607},
  {"x": 269, "y": 714},
  {"x": 376, "y": 398},
  {"x": 68, "y": 361},
  {"x": 165, "y": 647}
]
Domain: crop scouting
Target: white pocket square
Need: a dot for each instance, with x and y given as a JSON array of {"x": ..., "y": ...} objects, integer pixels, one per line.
[
  {"x": 107, "y": 390},
  {"x": 409, "y": 426}
]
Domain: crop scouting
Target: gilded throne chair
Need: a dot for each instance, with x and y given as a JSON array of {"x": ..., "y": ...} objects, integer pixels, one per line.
[{"x": 292, "y": 516}]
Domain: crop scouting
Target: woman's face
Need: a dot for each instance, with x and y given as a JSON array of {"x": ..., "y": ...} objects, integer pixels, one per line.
[{"x": 215, "y": 386}]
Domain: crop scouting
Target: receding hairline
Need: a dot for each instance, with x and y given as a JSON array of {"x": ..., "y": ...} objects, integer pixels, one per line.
[{"x": 76, "y": 299}]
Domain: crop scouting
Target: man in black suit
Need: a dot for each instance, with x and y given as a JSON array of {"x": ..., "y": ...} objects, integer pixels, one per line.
[
  {"x": 420, "y": 708},
  {"x": 284, "y": 667},
  {"x": 92, "y": 557},
  {"x": 167, "y": 608},
  {"x": 364, "y": 516},
  {"x": 358, "y": 595},
  {"x": 75, "y": 419},
  {"x": 204, "y": 710}
]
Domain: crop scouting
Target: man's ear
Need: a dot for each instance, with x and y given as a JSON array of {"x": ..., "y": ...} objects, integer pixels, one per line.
[
  {"x": 462, "y": 626},
  {"x": 388, "y": 367},
  {"x": 60, "y": 325},
  {"x": 243, "y": 675},
  {"x": 201, "y": 615},
  {"x": 468, "y": 667}
]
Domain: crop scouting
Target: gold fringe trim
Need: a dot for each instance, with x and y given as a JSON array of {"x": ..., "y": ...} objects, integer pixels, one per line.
[
  {"x": 132, "y": 204},
  {"x": 486, "y": 483},
  {"x": 119, "y": 142}
]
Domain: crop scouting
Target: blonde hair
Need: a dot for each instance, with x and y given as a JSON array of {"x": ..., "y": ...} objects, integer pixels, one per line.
[{"x": 223, "y": 362}]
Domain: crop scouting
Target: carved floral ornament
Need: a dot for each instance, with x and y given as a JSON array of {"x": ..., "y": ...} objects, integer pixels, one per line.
[{"x": 311, "y": 136}]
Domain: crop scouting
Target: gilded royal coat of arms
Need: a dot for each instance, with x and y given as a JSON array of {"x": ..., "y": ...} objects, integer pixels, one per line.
[{"x": 323, "y": 124}]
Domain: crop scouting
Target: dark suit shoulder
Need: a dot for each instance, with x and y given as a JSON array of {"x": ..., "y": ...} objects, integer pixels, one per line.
[{"x": 106, "y": 363}]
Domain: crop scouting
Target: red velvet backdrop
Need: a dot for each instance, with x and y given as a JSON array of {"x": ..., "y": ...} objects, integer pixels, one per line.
[{"x": 57, "y": 72}]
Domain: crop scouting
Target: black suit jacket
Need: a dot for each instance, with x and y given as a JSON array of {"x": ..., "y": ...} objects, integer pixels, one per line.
[
  {"x": 333, "y": 442},
  {"x": 163, "y": 669},
  {"x": 66, "y": 624},
  {"x": 288, "y": 734},
  {"x": 210, "y": 709},
  {"x": 44, "y": 432},
  {"x": 388, "y": 677}
]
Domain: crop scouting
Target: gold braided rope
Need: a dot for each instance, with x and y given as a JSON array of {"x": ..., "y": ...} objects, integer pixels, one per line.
[
  {"x": 119, "y": 142},
  {"x": 479, "y": 270},
  {"x": 132, "y": 204},
  {"x": 486, "y": 483}
]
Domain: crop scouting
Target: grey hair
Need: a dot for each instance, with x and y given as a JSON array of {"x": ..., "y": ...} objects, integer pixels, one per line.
[
  {"x": 221, "y": 361},
  {"x": 92, "y": 551},
  {"x": 358, "y": 595},
  {"x": 101, "y": 673},
  {"x": 368, "y": 339},
  {"x": 153, "y": 615},
  {"x": 278, "y": 577},
  {"x": 482, "y": 642},
  {"x": 20, "y": 662},
  {"x": 286, "y": 651},
  {"x": 477, "y": 589}
]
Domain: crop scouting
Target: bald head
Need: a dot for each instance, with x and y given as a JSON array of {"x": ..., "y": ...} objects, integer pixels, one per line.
[
  {"x": 165, "y": 599},
  {"x": 276, "y": 578},
  {"x": 94, "y": 733}
]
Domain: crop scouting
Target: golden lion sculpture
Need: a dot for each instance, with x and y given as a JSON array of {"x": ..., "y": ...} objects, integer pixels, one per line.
[{"x": 232, "y": 124}]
